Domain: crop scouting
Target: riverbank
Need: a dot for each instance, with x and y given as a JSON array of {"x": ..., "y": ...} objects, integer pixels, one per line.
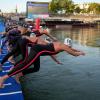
[
  {"x": 74, "y": 20},
  {"x": 79, "y": 17}
]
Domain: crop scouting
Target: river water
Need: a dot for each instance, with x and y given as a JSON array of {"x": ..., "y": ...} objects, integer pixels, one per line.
[{"x": 77, "y": 79}]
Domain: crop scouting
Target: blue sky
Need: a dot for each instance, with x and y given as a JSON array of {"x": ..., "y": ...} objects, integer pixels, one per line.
[{"x": 10, "y": 5}]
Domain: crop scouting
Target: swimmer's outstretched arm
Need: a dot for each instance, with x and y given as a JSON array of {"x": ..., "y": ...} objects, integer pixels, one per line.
[
  {"x": 48, "y": 34},
  {"x": 54, "y": 58}
]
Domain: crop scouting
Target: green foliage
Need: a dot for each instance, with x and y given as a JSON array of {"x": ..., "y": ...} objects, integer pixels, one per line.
[
  {"x": 77, "y": 9},
  {"x": 59, "y": 5},
  {"x": 95, "y": 8},
  {"x": 70, "y": 7}
]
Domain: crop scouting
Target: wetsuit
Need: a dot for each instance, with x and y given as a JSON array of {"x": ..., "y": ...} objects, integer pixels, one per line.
[
  {"x": 37, "y": 61},
  {"x": 17, "y": 49},
  {"x": 21, "y": 48},
  {"x": 36, "y": 51}
]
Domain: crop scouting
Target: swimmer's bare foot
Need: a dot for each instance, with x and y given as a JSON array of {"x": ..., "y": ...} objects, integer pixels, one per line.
[
  {"x": 11, "y": 61},
  {"x": 18, "y": 76},
  {"x": 2, "y": 80}
]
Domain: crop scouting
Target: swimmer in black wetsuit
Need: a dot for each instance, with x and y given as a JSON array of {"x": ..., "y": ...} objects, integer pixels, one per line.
[
  {"x": 36, "y": 51},
  {"x": 21, "y": 44},
  {"x": 37, "y": 33},
  {"x": 9, "y": 36},
  {"x": 25, "y": 31},
  {"x": 11, "y": 39}
]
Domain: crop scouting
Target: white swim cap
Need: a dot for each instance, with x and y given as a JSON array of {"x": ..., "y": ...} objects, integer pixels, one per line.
[{"x": 68, "y": 42}]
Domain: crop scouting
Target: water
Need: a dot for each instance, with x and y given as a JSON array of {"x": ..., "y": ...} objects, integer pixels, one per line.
[{"x": 77, "y": 79}]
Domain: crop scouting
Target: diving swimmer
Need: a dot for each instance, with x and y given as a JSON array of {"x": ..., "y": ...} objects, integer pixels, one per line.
[{"x": 36, "y": 51}]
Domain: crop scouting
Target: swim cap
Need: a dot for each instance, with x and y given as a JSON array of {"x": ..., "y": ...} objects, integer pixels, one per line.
[
  {"x": 25, "y": 26},
  {"x": 68, "y": 42},
  {"x": 14, "y": 32}
]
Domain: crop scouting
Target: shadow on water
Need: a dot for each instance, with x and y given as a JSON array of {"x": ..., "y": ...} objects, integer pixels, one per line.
[{"x": 78, "y": 77}]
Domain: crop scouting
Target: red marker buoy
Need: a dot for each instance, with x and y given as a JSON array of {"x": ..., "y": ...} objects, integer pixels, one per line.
[{"x": 37, "y": 23}]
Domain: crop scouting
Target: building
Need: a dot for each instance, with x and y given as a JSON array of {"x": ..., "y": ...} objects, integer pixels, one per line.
[{"x": 37, "y": 10}]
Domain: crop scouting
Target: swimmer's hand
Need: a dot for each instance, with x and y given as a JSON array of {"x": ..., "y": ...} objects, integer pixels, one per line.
[{"x": 59, "y": 63}]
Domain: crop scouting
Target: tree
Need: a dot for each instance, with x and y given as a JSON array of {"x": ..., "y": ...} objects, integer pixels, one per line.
[
  {"x": 98, "y": 9},
  {"x": 95, "y": 8},
  {"x": 77, "y": 9},
  {"x": 57, "y": 5},
  {"x": 53, "y": 6}
]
